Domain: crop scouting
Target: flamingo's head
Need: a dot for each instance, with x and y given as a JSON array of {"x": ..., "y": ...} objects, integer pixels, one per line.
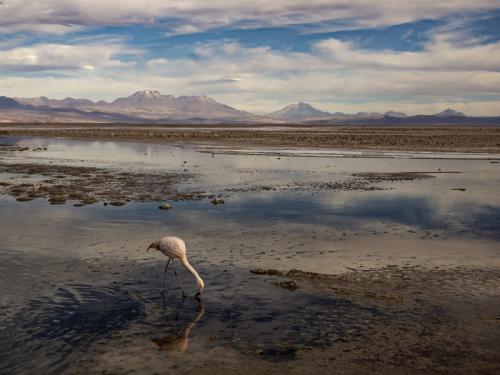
[
  {"x": 154, "y": 245},
  {"x": 200, "y": 285}
]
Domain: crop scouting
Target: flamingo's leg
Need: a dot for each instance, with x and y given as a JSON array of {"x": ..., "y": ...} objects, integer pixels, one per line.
[
  {"x": 178, "y": 279},
  {"x": 165, "y": 276}
]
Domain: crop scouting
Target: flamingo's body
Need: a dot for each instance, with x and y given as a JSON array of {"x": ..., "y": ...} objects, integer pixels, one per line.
[{"x": 175, "y": 248}]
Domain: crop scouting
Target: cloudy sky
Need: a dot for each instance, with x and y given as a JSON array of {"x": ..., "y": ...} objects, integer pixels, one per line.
[{"x": 339, "y": 55}]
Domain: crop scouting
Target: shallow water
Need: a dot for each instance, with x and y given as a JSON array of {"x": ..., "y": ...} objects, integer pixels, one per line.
[{"x": 72, "y": 277}]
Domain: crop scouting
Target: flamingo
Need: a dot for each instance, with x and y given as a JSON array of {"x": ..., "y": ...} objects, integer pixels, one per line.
[{"x": 174, "y": 247}]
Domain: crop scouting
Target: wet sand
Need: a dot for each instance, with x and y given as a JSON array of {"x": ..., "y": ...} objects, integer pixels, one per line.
[
  {"x": 325, "y": 265},
  {"x": 436, "y": 138}
]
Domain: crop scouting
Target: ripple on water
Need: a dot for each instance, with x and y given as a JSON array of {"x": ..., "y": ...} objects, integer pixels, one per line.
[
  {"x": 50, "y": 328},
  {"x": 261, "y": 318}
]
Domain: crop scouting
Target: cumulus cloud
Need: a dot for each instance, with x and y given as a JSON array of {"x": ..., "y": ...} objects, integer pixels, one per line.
[
  {"x": 187, "y": 16},
  {"x": 61, "y": 57},
  {"x": 334, "y": 75},
  {"x": 341, "y": 70},
  {"x": 452, "y": 69},
  {"x": 440, "y": 54}
]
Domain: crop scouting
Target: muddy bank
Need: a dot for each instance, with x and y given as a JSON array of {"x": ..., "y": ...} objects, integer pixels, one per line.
[{"x": 477, "y": 139}]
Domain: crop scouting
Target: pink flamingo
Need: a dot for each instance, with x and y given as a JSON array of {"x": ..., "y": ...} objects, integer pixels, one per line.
[{"x": 175, "y": 248}]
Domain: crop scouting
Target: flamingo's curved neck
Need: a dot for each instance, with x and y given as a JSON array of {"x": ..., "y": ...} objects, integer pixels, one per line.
[{"x": 189, "y": 267}]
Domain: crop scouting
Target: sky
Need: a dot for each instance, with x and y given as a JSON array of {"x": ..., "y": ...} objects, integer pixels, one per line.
[{"x": 338, "y": 55}]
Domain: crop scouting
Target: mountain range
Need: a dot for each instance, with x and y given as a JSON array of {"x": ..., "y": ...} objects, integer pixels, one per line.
[{"x": 151, "y": 106}]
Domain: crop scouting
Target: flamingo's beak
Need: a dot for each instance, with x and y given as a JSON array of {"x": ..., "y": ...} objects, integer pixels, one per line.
[
  {"x": 149, "y": 247},
  {"x": 198, "y": 296}
]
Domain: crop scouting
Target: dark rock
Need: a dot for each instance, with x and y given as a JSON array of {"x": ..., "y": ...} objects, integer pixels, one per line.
[
  {"x": 23, "y": 199},
  {"x": 56, "y": 199},
  {"x": 288, "y": 284},
  {"x": 217, "y": 201}
]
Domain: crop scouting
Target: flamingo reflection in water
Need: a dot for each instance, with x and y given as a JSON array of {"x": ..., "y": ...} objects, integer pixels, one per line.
[{"x": 179, "y": 342}]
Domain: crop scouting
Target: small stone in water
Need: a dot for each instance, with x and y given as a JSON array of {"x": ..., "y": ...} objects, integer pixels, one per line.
[{"x": 217, "y": 201}]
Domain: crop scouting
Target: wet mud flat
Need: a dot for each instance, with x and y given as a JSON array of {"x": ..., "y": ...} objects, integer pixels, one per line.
[
  {"x": 312, "y": 265},
  {"x": 440, "y": 320},
  {"x": 88, "y": 185},
  {"x": 391, "y": 320},
  {"x": 112, "y": 319},
  {"x": 83, "y": 186},
  {"x": 438, "y": 138},
  {"x": 388, "y": 320}
]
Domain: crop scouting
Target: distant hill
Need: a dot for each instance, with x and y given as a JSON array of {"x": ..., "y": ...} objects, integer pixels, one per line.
[
  {"x": 189, "y": 106},
  {"x": 9, "y": 103},
  {"x": 419, "y": 120},
  {"x": 147, "y": 104},
  {"x": 395, "y": 114},
  {"x": 450, "y": 113},
  {"x": 43, "y": 101},
  {"x": 299, "y": 112}
]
